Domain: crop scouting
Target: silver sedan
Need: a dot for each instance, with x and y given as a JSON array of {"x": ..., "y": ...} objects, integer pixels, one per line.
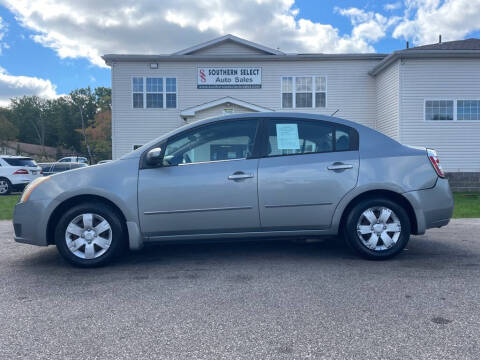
[{"x": 262, "y": 175}]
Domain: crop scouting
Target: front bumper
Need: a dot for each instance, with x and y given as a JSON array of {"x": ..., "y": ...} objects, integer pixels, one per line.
[
  {"x": 433, "y": 207},
  {"x": 29, "y": 224}
]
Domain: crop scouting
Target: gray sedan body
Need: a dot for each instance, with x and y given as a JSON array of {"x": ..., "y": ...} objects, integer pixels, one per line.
[{"x": 301, "y": 194}]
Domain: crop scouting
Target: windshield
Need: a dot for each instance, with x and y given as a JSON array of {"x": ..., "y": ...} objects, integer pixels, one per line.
[{"x": 20, "y": 162}]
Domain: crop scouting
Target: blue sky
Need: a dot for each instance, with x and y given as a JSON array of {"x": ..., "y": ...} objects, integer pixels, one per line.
[
  {"x": 49, "y": 47},
  {"x": 26, "y": 57}
]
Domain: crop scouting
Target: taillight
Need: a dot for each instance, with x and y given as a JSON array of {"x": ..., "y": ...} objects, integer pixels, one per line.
[
  {"x": 433, "y": 157},
  {"x": 21, "y": 172}
]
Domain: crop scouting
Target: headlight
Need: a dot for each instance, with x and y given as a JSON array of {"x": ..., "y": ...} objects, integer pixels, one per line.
[{"x": 30, "y": 187}]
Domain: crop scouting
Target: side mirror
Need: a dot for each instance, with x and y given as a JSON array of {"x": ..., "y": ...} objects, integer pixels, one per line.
[{"x": 153, "y": 156}]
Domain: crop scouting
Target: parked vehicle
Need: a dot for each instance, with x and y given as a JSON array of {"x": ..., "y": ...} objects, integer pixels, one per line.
[
  {"x": 103, "y": 162},
  {"x": 261, "y": 175},
  {"x": 79, "y": 159},
  {"x": 56, "y": 167},
  {"x": 16, "y": 172}
]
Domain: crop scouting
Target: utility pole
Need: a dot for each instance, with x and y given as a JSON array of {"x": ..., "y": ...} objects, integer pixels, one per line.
[{"x": 85, "y": 134}]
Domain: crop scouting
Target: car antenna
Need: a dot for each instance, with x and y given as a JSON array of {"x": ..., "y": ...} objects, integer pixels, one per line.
[{"x": 335, "y": 112}]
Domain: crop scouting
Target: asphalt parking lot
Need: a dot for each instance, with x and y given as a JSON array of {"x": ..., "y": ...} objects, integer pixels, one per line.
[{"x": 260, "y": 300}]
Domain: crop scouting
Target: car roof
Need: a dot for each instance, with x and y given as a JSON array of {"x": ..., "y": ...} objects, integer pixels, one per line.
[{"x": 15, "y": 157}]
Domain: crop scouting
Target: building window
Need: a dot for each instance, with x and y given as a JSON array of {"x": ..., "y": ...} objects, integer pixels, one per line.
[
  {"x": 287, "y": 92},
  {"x": 304, "y": 92},
  {"x": 439, "y": 110},
  {"x": 468, "y": 109},
  {"x": 154, "y": 92},
  {"x": 137, "y": 85},
  {"x": 320, "y": 91},
  {"x": 171, "y": 95}
]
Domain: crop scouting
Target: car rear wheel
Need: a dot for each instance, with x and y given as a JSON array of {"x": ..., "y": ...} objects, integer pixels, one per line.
[
  {"x": 5, "y": 186},
  {"x": 377, "y": 228},
  {"x": 90, "y": 235}
]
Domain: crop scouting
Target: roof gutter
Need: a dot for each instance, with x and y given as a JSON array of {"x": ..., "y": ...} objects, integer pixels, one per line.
[
  {"x": 422, "y": 54},
  {"x": 112, "y": 58}
]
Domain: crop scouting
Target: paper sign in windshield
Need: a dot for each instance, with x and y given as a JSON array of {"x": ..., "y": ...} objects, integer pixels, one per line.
[{"x": 287, "y": 137}]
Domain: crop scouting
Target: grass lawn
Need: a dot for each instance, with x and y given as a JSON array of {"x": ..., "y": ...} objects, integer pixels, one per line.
[
  {"x": 6, "y": 206},
  {"x": 467, "y": 205}
]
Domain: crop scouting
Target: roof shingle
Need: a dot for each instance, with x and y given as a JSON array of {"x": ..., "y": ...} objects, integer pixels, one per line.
[{"x": 467, "y": 44}]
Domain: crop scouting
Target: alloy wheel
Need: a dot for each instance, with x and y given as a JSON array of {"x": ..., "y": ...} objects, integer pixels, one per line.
[
  {"x": 88, "y": 236},
  {"x": 3, "y": 187},
  {"x": 379, "y": 228}
]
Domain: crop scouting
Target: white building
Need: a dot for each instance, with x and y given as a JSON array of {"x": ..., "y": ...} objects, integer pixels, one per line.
[{"x": 425, "y": 96}]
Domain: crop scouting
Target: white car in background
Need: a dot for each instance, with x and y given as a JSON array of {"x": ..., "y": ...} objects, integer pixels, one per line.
[
  {"x": 78, "y": 159},
  {"x": 16, "y": 172}
]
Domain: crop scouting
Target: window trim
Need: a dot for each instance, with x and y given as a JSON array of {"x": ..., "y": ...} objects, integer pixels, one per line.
[
  {"x": 455, "y": 100},
  {"x": 164, "y": 92},
  {"x": 294, "y": 90}
]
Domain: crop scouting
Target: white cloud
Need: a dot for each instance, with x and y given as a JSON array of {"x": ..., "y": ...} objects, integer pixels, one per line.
[
  {"x": 91, "y": 28},
  {"x": 368, "y": 27},
  {"x": 424, "y": 20},
  {"x": 393, "y": 6},
  {"x": 16, "y": 86},
  {"x": 3, "y": 30}
]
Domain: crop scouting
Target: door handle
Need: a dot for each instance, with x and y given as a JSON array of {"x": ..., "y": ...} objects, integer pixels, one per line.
[
  {"x": 339, "y": 166},
  {"x": 240, "y": 176}
]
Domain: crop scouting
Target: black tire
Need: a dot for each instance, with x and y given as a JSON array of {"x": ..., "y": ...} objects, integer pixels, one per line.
[
  {"x": 353, "y": 239},
  {"x": 118, "y": 231},
  {"x": 9, "y": 186}
]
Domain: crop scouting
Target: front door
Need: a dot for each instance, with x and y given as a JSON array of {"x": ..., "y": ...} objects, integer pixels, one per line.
[
  {"x": 308, "y": 166},
  {"x": 207, "y": 183}
]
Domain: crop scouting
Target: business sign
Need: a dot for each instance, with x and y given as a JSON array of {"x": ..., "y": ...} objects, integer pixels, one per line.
[{"x": 229, "y": 78}]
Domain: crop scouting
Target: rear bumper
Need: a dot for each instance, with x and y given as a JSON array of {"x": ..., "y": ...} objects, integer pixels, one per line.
[
  {"x": 433, "y": 207},
  {"x": 20, "y": 181},
  {"x": 19, "y": 187}
]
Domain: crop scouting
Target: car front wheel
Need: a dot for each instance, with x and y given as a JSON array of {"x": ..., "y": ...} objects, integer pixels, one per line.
[
  {"x": 377, "y": 228},
  {"x": 90, "y": 235}
]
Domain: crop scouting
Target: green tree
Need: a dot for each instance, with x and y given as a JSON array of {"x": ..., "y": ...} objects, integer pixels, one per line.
[
  {"x": 84, "y": 101},
  {"x": 8, "y": 131},
  {"x": 27, "y": 115},
  {"x": 63, "y": 122},
  {"x": 103, "y": 97}
]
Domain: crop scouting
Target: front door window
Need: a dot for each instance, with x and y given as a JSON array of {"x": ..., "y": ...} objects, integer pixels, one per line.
[{"x": 228, "y": 140}]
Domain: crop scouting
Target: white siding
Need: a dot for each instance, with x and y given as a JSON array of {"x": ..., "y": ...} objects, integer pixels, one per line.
[
  {"x": 349, "y": 88},
  {"x": 458, "y": 142},
  {"x": 228, "y": 48},
  {"x": 388, "y": 90}
]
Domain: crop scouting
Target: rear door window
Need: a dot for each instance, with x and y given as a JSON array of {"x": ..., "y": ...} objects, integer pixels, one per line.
[
  {"x": 290, "y": 137},
  {"x": 296, "y": 137},
  {"x": 20, "y": 162}
]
